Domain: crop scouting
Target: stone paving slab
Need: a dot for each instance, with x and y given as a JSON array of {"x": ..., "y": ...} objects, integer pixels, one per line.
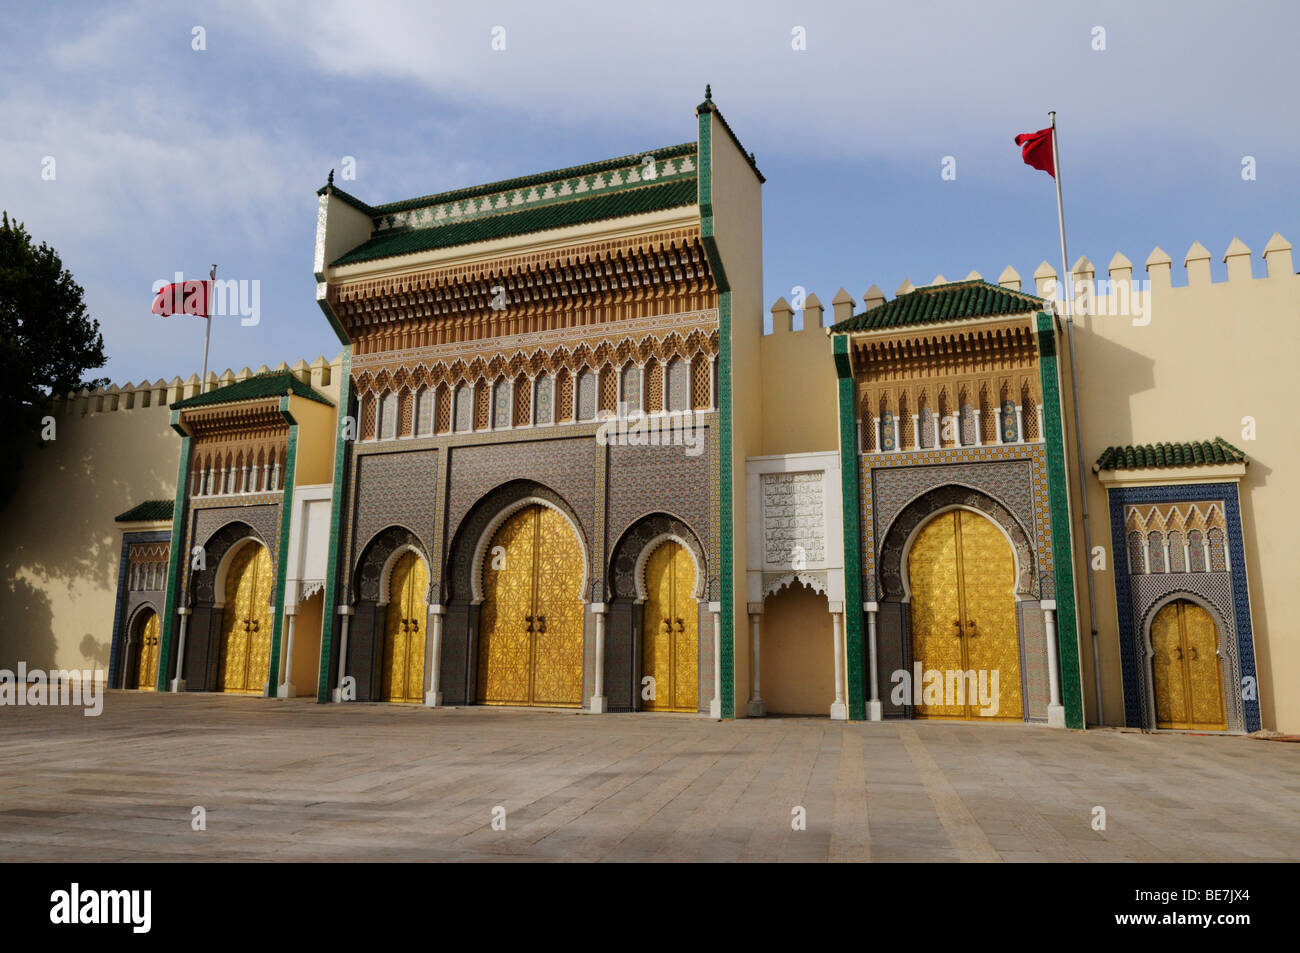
[{"x": 291, "y": 780}]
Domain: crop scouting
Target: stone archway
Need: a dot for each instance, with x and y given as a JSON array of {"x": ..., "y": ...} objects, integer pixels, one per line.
[{"x": 370, "y": 584}]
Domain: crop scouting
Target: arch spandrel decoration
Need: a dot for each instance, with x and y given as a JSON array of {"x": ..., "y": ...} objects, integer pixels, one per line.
[
  {"x": 946, "y": 497},
  {"x": 216, "y": 549},
  {"x": 627, "y": 563},
  {"x": 370, "y": 577},
  {"x": 490, "y": 508}
]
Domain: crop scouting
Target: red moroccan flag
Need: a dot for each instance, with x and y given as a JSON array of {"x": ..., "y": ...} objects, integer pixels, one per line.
[
  {"x": 1036, "y": 147},
  {"x": 186, "y": 297}
]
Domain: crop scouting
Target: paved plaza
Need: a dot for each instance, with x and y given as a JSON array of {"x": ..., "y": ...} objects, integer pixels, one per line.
[{"x": 292, "y": 780}]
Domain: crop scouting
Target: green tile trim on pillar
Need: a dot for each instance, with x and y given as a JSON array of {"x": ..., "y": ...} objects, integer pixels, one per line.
[
  {"x": 282, "y": 568},
  {"x": 178, "y": 558},
  {"x": 343, "y": 423},
  {"x": 1067, "y": 623},
  {"x": 726, "y": 574},
  {"x": 851, "y": 504}
]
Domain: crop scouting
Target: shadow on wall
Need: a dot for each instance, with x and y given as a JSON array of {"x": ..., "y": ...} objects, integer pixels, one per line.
[
  {"x": 62, "y": 546},
  {"x": 28, "y": 632}
]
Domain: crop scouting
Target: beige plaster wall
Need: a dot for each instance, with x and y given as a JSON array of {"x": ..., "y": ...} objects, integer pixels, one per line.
[
  {"x": 738, "y": 225},
  {"x": 796, "y": 662}
]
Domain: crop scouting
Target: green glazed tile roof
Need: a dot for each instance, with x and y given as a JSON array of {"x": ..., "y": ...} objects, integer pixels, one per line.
[
  {"x": 1158, "y": 455},
  {"x": 934, "y": 303},
  {"x": 150, "y": 511},
  {"x": 523, "y": 182},
  {"x": 650, "y": 198},
  {"x": 257, "y": 387}
]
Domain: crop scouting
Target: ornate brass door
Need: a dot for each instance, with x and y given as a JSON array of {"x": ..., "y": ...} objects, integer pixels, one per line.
[
  {"x": 246, "y": 625},
  {"x": 403, "y": 665},
  {"x": 1185, "y": 668},
  {"x": 670, "y": 630},
  {"x": 146, "y": 653},
  {"x": 961, "y": 572},
  {"x": 531, "y": 620}
]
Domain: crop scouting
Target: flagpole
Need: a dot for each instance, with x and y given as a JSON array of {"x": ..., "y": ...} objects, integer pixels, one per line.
[
  {"x": 207, "y": 333},
  {"x": 1078, "y": 425}
]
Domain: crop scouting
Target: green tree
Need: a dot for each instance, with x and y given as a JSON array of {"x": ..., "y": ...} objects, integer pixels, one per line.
[{"x": 47, "y": 342}]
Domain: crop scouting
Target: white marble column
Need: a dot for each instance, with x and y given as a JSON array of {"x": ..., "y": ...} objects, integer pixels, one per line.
[
  {"x": 756, "y": 707},
  {"x": 997, "y": 418},
  {"x": 178, "y": 683},
  {"x": 346, "y": 613},
  {"x": 715, "y": 706},
  {"x": 286, "y": 689},
  {"x": 433, "y": 697},
  {"x": 1055, "y": 710},
  {"x": 839, "y": 711},
  {"x": 599, "y": 703},
  {"x": 916, "y": 431},
  {"x": 874, "y": 710}
]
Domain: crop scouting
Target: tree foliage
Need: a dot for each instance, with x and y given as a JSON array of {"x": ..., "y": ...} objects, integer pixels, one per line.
[{"x": 47, "y": 342}]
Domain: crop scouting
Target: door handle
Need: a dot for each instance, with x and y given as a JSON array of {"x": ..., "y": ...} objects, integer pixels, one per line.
[
  {"x": 528, "y": 619},
  {"x": 1179, "y": 650},
  {"x": 971, "y": 623},
  {"x": 681, "y": 627},
  {"x": 415, "y": 625},
  {"x": 957, "y": 623},
  {"x": 1195, "y": 657},
  {"x": 668, "y": 626},
  {"x": 541, "y": 623}
]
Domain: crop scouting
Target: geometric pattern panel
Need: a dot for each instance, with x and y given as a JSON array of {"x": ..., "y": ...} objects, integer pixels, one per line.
[
  {"x": 368, "y": 580},
  {"x": 646, "y": 480},
  {"x": 633, "y": 543},
  {"x": 395, "y": 489}
]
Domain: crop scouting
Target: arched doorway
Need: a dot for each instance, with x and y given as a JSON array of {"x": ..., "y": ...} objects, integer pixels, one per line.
[
  {"x": 670, "y": 644},
  {"x": 962, "y": 576},
  {"x": 403, "y": 661},
  {"x": 1185, "y": 668},
  {"x": 246, "y": 622},
  {"x": 531, "y": 619},
  {"x": 795, "y": 649},
  {"x": 145, "y": 655}
]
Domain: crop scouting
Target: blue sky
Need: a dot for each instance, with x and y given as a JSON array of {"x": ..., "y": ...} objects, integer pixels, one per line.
[{"x": 168, "y": 158}]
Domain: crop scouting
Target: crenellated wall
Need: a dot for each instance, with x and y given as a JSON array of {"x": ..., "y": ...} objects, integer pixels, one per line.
[{"x": 113, "y": 448}]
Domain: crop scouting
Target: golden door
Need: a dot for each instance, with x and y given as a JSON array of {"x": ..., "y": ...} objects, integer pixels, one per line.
[
  {"x": 670, "y": 630},
  {"x": 531, "y": 619},
  {"x": 246, "y": 625},
  {"x": 1185, "y": 668},
  {"x": 963, "y": 613},
  {"x": 403, "y": 665},
  {"x": 146, "y": 653}
]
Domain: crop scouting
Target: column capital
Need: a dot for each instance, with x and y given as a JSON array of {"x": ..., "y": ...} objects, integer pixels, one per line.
[
  {"x": 597, "y": 607},
  {"x": 436, "y": 608},
  {"x": 1048, "y": 605},
  {"x": 835, "y": 607},
  {"x": 871, "y": 607},
  {"x": 715, "y": 607},
  {"x": 755, "y": 608},
  {"x": 184, "y": 610},
  {"x": 345, "y": 610}
]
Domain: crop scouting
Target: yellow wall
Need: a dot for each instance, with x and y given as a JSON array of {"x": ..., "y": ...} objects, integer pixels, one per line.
[
  {"x": 306, "y": 645},
  {"x": 796, "y": 662},
  {"x": 316, "y": 441},
  {"x": 799, "y": 401},
  {"x": 738, "y": 226}
]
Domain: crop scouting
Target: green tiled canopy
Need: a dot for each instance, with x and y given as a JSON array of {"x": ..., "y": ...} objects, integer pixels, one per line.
[
  {"x": 150, "y": 511},
  {"x": 1159, "y": 455},
  {"x": 649, "y": 198},
  {"x": 934, "y": 303},
  {"x": 257, "y": 387}
]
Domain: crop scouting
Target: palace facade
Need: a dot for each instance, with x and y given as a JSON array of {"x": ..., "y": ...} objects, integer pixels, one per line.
[{"x": 559, "y": 463}]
